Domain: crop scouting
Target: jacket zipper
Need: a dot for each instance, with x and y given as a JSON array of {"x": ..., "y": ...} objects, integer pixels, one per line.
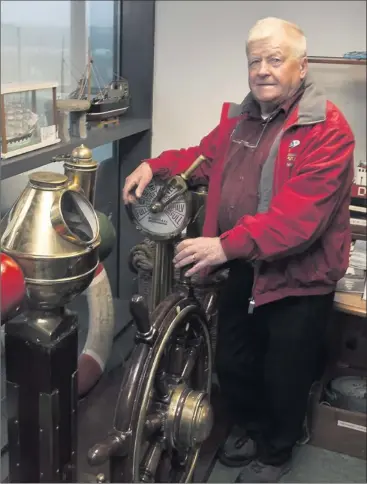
[
  {"x": 251, "y": 305},
  {"x": 257, "y": 264},
  {"x": 290, "y": 167}
]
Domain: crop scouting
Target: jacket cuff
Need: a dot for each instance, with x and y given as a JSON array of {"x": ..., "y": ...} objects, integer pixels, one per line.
[
  {"x": 152, "y": 162},
  {"x": 237, "y": 244},
  {"x": 158, "y": 167}
]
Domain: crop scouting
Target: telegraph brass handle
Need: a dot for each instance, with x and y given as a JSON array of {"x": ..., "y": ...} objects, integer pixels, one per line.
[
  {"x": 187, "y": 174},
  {"x": 177, "y": 185}
]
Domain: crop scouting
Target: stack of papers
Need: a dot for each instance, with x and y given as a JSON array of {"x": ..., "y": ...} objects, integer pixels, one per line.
[
  {"x": 358, "y": 258},
  {"x": 354, "y": 281}
]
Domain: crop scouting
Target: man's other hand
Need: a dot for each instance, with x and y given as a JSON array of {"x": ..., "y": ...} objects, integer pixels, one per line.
[{"x": 202, "y": 252}]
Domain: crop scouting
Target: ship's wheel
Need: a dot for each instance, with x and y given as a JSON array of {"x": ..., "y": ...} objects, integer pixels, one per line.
[{"x": 163, "y": 413}]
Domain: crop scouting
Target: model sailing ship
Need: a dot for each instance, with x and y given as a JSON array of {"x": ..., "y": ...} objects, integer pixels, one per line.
[
  {"x": 21, "y": 124},
  {"x": 28, "y": 117}
]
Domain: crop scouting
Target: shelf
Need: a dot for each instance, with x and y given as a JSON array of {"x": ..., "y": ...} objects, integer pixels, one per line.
[
  {"x": 96, "y": 137},
  {"x": 358, "y": 231},
  {"x": 336, "y": 60},
  {"x": 350, "y": 303}
]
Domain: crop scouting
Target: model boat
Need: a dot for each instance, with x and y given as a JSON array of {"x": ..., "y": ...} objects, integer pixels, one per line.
[
  {"x": 21, "y": 124},
  {"x": 101, "y": 103},
  {"x": 107, "y": 102},
  {"x": 111, "y": 102}
]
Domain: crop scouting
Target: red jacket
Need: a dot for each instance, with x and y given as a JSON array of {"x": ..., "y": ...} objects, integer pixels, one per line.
[{"x": 300, "y": 245}]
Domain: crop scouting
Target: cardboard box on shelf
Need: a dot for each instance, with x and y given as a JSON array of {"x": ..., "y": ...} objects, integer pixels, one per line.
[{"x": 337, "y": 429}]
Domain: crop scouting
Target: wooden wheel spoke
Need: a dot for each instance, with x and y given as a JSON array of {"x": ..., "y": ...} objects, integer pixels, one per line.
[
  {"x": 177, "y": 351},
  {"x": 171, "y": 465},
  {"x": 151, "y": 461},
  {"x": 176, "y": 357},
  {"x": 161, "y": 386},
  {"x": 192, "y": 354},
  {"x": 164, "y": 470}
]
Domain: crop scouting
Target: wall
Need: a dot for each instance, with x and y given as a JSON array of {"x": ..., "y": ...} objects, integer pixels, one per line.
[{"x": 200, "y": 61}]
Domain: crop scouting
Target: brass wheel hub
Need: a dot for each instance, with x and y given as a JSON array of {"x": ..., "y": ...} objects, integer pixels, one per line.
[{"x": 189, "y": 418}]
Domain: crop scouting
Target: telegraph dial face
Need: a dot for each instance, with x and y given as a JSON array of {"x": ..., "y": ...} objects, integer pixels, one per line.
[{"x": 167, "y": 224}]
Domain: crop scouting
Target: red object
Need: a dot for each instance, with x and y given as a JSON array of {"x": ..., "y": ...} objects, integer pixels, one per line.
[
  {"x": 303, "y": 239},
  {"x": 12, "y": 287}
]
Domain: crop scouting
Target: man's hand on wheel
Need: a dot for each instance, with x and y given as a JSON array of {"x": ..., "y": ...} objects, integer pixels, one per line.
[
  {"x": 136, "y": 182},
  {"x": 201, "y": 251}
]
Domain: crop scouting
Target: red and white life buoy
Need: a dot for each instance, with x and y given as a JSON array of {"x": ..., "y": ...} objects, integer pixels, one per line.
[
  {"x": 101, "y": 324},
  {"x": 12, "y": 287},
  {"x": 12, "y": 292},
  {"x": 97, "y": 348}
]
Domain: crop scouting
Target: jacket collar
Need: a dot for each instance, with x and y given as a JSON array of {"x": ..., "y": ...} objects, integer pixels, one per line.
[{"x": 311, "y": 106}]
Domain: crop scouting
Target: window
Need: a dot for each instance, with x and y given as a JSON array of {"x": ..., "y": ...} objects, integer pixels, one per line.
[
  {"x": 101, "y": 27},
  {"x": 50, "y": 41},
  {"x": 33, "y": 35},
  {"x": 101, "y": 35}
]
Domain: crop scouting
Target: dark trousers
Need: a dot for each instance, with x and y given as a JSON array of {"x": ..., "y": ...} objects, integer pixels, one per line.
[{"x": 266, "y": 362}]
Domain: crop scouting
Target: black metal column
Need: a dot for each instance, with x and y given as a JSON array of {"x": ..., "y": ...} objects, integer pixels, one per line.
[
  {"x": 41, "y": 371},
  {"x": 136, "y": 64}
]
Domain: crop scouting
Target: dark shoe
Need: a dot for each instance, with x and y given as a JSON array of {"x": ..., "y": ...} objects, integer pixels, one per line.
[
  {"x": 238, "y": 449},
  {"x": 256, "y": 471}
]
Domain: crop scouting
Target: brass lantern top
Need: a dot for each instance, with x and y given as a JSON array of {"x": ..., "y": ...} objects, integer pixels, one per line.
[
  {"x": 82, "y": 153},
  {"x": 52, "y": 232}
]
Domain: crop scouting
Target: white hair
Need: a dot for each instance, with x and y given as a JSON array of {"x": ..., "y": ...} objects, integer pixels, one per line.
[{"x": 272, "y": 27}]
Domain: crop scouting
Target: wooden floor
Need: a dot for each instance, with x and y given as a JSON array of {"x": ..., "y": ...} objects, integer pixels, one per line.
[{"x": 96, "y": 414}]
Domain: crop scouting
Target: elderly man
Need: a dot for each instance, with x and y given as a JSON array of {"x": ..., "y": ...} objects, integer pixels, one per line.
[{"x": 280, "y": 169}]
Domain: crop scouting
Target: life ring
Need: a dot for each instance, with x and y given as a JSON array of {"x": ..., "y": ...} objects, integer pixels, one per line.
[
  {"x": 97, "y": 348},
  {"x": 12, "y": 287},
  {"x": 12, "y": 292}
]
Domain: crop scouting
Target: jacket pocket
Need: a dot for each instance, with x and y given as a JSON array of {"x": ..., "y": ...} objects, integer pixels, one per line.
[
  {"x": 309, "y": 269},
  {"x": 272, "y": 276}
]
